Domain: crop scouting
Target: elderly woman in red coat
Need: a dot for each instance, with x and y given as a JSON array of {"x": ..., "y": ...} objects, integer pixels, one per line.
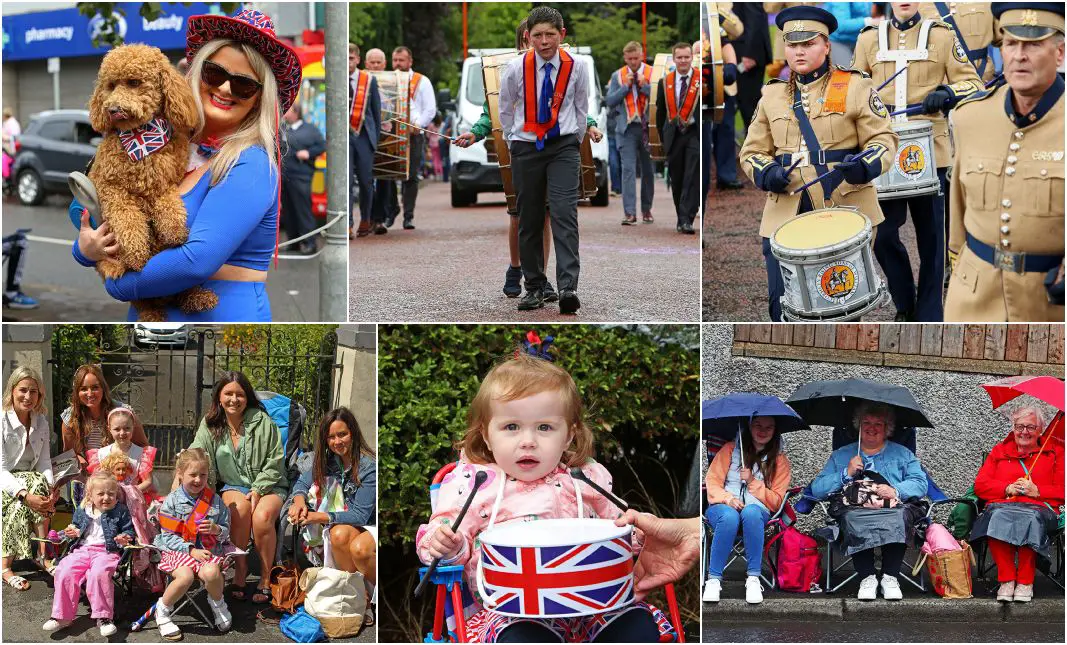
[{"x": 1022, "y": 484}]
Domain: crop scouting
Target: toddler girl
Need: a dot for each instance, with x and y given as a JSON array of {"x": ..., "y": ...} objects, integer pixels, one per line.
[
  {"x": 120, "y": 428},
  {"x": 525, "y": 431},
  {"x": 145, "y": 575},
  {"x": 194, "y": 534},
  {"x": 101, "y": 527}
]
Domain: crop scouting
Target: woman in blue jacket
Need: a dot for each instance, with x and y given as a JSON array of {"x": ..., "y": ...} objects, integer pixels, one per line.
[{"x": 891, "y": 481}]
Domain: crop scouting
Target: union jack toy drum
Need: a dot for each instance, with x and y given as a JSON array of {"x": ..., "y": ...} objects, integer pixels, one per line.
[
  {"x": 392, "y": 157},
  {"x": 913, "y": 169},
  {"x": 827, "y": 266},
  {"x": 556, "y": 568}
]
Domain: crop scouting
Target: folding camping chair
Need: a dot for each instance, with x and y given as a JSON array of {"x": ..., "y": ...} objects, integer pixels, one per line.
[
  {"x": 450, "y": 621},
  {"x": 1052, "y": 568},
  {"x": 191, "y": 594}
]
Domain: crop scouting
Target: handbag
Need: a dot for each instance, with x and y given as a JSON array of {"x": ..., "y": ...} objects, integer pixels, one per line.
[
  {"x": 948, "y": 563},
  {"x": 302, "y": 627},
  {"x": 285, "y": 592},
  {"x": 337, "y": 598}
]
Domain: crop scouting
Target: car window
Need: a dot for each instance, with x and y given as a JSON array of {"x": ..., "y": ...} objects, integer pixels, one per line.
[
  {"x": 83, "y": 132},
  {"x": 475, "y": 84},
  {"x": 57, "y": 130}
]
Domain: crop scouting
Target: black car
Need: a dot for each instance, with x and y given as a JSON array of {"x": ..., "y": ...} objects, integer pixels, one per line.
[{"x": 54, "y": 144}]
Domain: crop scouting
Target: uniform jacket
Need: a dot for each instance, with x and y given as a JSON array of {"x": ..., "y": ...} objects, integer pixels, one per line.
[
  {"x": 947, "y": 66},
  {"x": 1007, "y": 187},
  {"x": 14, "y": 439},
  {"x": 552, "y": 497},
  {"x": 976, "y": 22},
  {"x": 179, "y": 504},
  {"x": 863, "y": 124},
  {"x": 896, "y": 463},
  {"x": 1002, "y": 467},
  {"x": 115, "y": 522}
]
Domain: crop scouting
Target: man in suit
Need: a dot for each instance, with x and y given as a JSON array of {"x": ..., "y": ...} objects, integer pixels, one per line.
[
  {"x": 365, "y": 123},
  {"x": 304, "y": 143},
  {"x": 679, "y": 93},
  {"x": 627, "y": 97},
  {"x": 753, "y": 52}
]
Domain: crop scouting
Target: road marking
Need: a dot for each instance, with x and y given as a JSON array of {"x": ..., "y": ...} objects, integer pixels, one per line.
[{"x": 49, "y": 240}]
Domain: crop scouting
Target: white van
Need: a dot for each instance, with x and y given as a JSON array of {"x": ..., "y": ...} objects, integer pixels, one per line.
[{"x": 472, "y": 173}]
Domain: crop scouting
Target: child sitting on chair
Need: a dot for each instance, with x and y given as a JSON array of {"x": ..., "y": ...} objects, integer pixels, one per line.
[
  {"x": 525, "y": 431},
  {"x": 145, "y": 575},
  {"x": 101, "y": 527},
  {"x": 120, "y": 425},
  {"x": 194, "y": 537}
]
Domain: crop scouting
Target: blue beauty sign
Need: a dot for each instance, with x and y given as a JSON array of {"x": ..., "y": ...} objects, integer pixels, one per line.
[{"x": 67, "y": 33}]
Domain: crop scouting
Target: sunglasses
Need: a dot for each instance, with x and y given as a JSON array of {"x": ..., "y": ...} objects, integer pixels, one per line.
[{"x": 243, "y": 87}]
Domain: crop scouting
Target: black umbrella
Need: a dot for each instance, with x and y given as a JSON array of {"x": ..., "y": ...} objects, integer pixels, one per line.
[{"x": 833, "y": 403}]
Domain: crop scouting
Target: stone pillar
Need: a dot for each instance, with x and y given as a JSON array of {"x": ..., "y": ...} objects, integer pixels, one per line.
[{"x": 356, "y": 387}]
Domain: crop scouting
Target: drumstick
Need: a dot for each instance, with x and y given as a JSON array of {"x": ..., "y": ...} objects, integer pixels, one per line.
[
  {"x": 791, "y": 168},
  {"x": 811, "y": 183},
  {"x": 479, "y": 479},
  {"x": 578, "y": 474},
  {"x": 887, "y": 81},
  {"x": 412, "y": 125},
  {"x": 916, "y": 109}
]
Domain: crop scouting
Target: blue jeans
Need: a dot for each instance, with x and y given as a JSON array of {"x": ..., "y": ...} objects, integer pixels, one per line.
[{"x": 724, "y": 523}]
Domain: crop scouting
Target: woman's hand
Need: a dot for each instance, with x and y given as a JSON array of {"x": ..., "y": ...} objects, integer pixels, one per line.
[
  {"x": 123, "y": 539},
  {"x": 1026, "y": 487},
  {"x": 298, "y": 511},
  {"x": 40, "y": 504},
  {"x": 253, "y": 499},
  {"x": 200, "y": 555},
  {"x": 735, "y": 503},
  {"x": 855, "y": 466},
  {"x": 885, "y": 491},
  {"x": 746, "y": 475},
  {"x": 316, "y": 517},
  {"x": 72, "y": 532},
  {"x": 96, "y": 244},
  {"x": 444, "y": 543}
]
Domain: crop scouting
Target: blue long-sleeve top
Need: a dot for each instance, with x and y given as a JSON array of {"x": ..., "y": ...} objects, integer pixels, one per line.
[
  {"x": 897, "y": 464},
  {"x": 233, "y": 222},
  {"x": 361, "y": 499},
  {"x": 850, "y": 17}
]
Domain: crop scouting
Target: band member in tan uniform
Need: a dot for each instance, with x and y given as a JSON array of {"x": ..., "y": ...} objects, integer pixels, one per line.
[
  {"x": 975, "y": 28},
  {"x": 1007, "y": 181},
  {"x": 827, "y": 119}
]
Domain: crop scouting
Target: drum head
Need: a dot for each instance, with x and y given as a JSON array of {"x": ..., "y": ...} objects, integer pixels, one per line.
[
  {"x": 819, "y": 229},
  {"x": 554, "y": 532}
]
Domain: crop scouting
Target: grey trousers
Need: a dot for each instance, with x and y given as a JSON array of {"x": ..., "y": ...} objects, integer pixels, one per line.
[
  {"x": 551, "y": 175},
  {"x": 410, "y": 187},
  {"x": 632, "y": 151}
]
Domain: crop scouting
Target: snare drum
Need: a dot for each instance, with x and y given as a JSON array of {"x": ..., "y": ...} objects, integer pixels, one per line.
[
  {"x": 556, "y": 568},
  {"x": 392, "y": 157},
  {"x": 827, "y": 266},
  {"x": 913, "y": 169}
]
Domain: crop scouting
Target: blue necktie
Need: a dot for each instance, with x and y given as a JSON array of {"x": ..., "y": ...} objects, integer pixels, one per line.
[{"x": 544, "y": 106}]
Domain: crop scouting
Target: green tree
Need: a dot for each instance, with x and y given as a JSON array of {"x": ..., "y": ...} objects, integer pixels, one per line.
[
  {"x": 607, "y": 28},
  {"x": 109, "y": 36}
]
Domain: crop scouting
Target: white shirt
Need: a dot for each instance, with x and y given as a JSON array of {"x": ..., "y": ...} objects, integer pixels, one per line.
[
  {"x": 512, "y": 102},
  {"x": 424, "y": 107},
  {"x": 14, "y": 448},
  {"x": 95, "y": 532}
]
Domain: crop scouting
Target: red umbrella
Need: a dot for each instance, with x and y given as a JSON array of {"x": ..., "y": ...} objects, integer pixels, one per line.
[{"x": 1047, "y": 388}]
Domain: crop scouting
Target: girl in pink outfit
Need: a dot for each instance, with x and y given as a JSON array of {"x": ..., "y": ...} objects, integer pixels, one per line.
[
  {"x": 101, "y": 527},
  {"x": 525, "y": 431},
  {"x": 119, "y": 440}
]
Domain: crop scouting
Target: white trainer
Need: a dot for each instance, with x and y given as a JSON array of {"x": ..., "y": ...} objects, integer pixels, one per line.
[
  {"x": 1006, "y": 593},
  {"x": 53, "y": 625},
  {"x": 868, "y": 588},
  {"x": 107, "y": 627},
  {"x": 223, "y": 618},
  {"x": 891, "y": 588},
  {"x": 1024, "y": 593},
  {"x": 753, "y": 590},
  {"x": 712, "y": 590}
]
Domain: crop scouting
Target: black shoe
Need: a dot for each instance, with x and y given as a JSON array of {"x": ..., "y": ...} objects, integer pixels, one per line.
[
  {"x": 729, "y": 185},
  {"x": 550, "y": 293},
  {"x": 904, "y": 316},
  {"x": 389, "y": 221},
  {"x": 513, "y": 282},
  {"x": 409, "y": 225},
  {"x": 534, "y": 299},
  {"x": 380, "y": 229},
  {"x": 688, "y": 229},
  {"x": 678, "y": 228},
  {"x": 568, "y": 302}
]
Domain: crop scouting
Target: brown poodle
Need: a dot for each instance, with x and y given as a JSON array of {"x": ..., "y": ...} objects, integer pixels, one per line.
[{"x": 140, "y": 198}]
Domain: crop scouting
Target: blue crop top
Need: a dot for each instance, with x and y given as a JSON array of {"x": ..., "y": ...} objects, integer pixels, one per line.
[{"x": 233, "y": 222}]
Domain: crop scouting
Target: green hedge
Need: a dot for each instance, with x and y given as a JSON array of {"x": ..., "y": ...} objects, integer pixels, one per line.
[{"x": 640, "y": 386}]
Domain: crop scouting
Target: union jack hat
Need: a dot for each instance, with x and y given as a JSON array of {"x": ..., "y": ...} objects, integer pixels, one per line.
[{"x": 257, "y": 29}]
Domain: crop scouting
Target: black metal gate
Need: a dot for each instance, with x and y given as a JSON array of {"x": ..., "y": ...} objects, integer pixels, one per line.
[{"x": 167, "y": 379}]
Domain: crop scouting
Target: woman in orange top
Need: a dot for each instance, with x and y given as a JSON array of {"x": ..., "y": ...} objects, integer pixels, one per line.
[
  {"x": 1022, "y": 485},
  {"x": 744, "y": 495}
]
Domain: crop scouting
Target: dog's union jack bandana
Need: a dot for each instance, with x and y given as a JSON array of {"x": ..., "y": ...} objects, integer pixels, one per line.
[{"x": 146, "y": 139}]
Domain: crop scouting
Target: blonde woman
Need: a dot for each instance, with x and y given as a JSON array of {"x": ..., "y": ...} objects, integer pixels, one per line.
[
  {"x": 242, "y": 78},
  {"x": 25, "y": 471}
]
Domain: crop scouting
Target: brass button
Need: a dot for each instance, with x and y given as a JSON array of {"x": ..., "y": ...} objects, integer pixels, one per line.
[
  {"x": 980, "y": 166},
  {"x": 1006, "y": 203},
  {"x": 1012, "y": 158},
  {"x": 1043, "y": 172},
  {"x": 1010, "y": 171},
  {"x": 1013, "y": 147},
  {"x": 1005, "y": 230},
  {"x": 1018, "y": 135},
  {"x": 1005, "y": 243},
  {"x": 1005, "y": 217}
]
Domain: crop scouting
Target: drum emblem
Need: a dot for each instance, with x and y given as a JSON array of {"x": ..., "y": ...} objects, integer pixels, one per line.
[
  {"x": 911, "y": 160},
  {"x": 837, "y": 281}
]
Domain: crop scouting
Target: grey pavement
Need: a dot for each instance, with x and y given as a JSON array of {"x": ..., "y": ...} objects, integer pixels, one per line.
[
  {"x": 451, "y": 268},
  {"x": 901, "y": 630},
  {"x": 69, "y": 292},
  {"x": 25, "y": 611}
]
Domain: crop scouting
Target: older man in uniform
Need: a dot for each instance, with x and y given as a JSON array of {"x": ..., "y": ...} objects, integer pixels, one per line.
[
  {"x": 975, "y": 28},
  {"x": 930, "y": 55},
  {"x": 1007, "y": 183},
  {"x": 825, "y": 119}
]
